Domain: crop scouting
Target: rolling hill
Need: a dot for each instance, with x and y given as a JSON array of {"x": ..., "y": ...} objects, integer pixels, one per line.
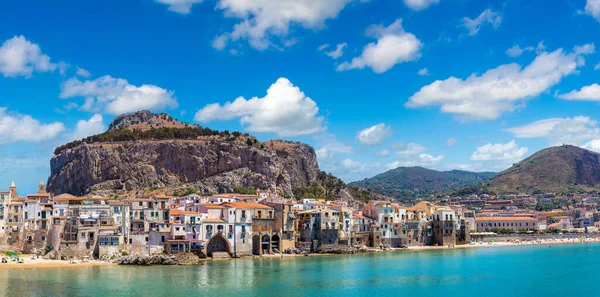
[
  {"x": 562, "y": 169},
  {"x": 413, "y": 182}
]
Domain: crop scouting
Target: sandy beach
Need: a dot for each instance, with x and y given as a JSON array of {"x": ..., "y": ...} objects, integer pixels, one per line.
[{"x": 44, "y": 263}]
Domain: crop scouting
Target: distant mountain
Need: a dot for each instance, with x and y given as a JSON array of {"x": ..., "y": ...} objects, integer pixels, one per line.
[
  {"x": 413, "y": 182},
  {"x": 561, "y": 169}
]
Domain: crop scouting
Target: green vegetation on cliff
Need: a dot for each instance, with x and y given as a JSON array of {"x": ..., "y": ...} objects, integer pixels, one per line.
[
  {"x": 562, "y": 170},
  {"x": 413, "y": 182}
]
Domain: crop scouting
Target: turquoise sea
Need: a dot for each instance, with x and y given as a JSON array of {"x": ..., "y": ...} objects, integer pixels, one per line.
[{"x": 560, "y": 270}]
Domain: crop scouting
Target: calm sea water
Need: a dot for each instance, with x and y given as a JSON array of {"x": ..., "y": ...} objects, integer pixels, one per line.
[{"x": 567, "y": 270}]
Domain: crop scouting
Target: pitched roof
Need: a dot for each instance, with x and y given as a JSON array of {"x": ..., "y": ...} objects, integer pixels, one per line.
[
  {"x": 246, "y": 205},
  {"x": 212, "y": 220},
  {"x": 141, "y": 199},
  {"x": 210, "y": 205},
  {"x": 177, "y": 212}
]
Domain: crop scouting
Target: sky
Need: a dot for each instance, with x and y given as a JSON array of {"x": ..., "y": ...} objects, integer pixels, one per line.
[{"x": 371, "y": 84}]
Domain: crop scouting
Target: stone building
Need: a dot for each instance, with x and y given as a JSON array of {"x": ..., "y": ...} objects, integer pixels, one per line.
[{"x": 443, "y": 223}]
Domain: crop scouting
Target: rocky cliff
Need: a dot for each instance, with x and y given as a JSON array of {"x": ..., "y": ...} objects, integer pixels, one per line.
[{"x": 143, "y": 152}]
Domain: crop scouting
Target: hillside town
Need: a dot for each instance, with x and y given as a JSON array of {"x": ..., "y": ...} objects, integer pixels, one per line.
[{"x": 239, "y": 225}]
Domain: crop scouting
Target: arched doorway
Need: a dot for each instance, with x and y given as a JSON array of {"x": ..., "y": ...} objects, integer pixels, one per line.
[
  {"x": 217, "y": 243},
  {"x": 275, "y": 243},
  {"x": 266, "y": 244},
  {"x": 256, "y": 245}
]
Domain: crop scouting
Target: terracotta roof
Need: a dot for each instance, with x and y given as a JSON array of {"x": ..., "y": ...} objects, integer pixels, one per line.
[
  {"x": 358, "y": 215},
  {"x": 39, "y": 195},
  {"x": 246, "y": 205},
  {"x": 505, "y": 219},
  {"x": 162, "y": 197},
  {"x": 554, "y": 225},
  {"x": 69, "y": 199},
  {"x": 117, "y": 202},
  {"x": 176, "y": 212},
  {"x": 233, "y": 195},
  {"x": 98, "y": 198},
  {"x": 66, "y": 197},
  {"x": 210, "y": 205},
  {"x": 210, "y": 220}
]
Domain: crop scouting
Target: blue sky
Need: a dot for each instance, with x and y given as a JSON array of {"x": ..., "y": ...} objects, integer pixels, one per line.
[{"x": 444, "y": 84}]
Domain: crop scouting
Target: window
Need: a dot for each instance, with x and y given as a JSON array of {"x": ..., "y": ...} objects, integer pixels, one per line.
[{"x": 243, "y": 214}]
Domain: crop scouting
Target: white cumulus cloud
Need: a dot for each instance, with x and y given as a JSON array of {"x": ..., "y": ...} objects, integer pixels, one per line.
[
  {"x": 117, "y": 96},
  {"x": 180, "y": 6},
  {"x": 82, "y": 72},
  {"x": 336, "y": 53},
  {"x": 509, "y": 152},
  {"x": 486, "y": 17},
  {"x": 593, "y": 145},
  {"x": 516, "y": 50},
  {"x": 502, "y": 89},
  {"x": 423, "y": 160},
  {"x": 95, "y": 125},
  {"x": 587, "y": 93},
  {"x": 393, "y": 46},
  {"x": 21, "y": 57},
  {"x": 592, "y": 7},
  {"x": 18, "y": 127},
  {"x": 374, "y": 135},
  {"x": 285, "y": 110},
  {"x": 411, "y": 148},
  {"x": 576, "y": 130},
  {"x": 423, "y": 72},
  {"x": 266, "y": 23},
  {"x": 419, "y": 4}
]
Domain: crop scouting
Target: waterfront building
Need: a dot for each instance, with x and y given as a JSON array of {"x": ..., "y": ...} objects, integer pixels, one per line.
[
  {"x": 361, "y": 230},
  {"x": 185, "y": 233},
  {"x": 285, "y": 220},
  {"x": 508, "y": 223},
  {"x": 443, "y": 226},
  {"x": 319, "y": 227}
]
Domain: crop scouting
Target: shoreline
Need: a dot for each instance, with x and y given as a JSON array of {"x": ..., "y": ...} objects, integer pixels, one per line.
[{"x": 44, "y": 263}]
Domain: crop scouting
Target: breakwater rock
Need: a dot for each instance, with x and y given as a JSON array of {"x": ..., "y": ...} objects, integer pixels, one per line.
[
  {"x": 147, "y": 260},
  {"x": 342, "y": 249}
]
